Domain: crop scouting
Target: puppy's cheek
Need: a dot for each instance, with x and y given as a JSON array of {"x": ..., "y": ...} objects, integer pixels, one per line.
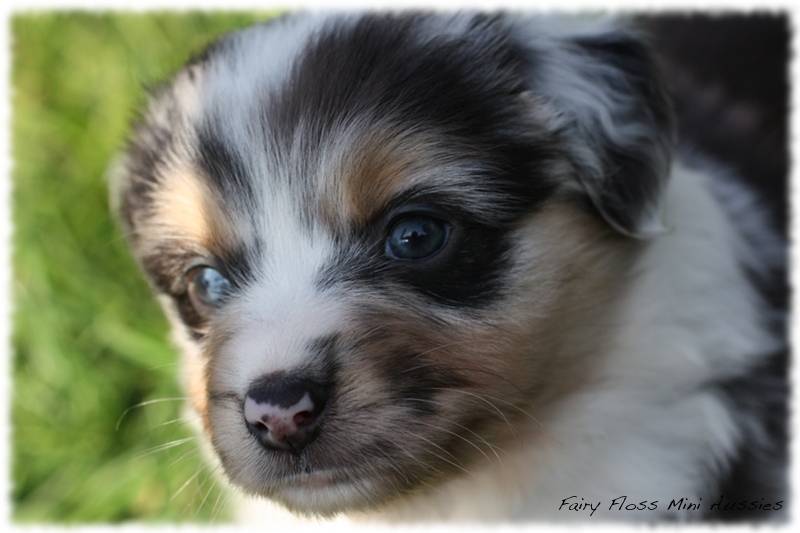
[{"x": 567, "y": 270}]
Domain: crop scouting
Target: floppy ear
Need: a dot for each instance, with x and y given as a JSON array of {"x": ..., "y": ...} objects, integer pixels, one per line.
[{"x": 617, "y": 122}]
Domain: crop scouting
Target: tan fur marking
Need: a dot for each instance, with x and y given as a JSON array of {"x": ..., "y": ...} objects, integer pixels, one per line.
[
  {"x": 570, "y": 270},
  {"x": 186, "y": 209},
  {"x": 377, "y": 167},
  {"x": 196, "y": 388}
]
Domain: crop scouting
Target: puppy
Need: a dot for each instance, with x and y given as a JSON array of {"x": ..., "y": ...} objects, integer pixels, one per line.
[{"x": 430, "y": 266}]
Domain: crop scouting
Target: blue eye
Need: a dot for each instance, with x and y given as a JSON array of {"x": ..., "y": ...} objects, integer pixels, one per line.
[
  {"x": 416, "y": 237},
  {"x": 208, "y": 286}
]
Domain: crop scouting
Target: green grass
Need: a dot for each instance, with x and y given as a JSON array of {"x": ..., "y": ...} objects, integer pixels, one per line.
[{"x": 89, "y": 342}]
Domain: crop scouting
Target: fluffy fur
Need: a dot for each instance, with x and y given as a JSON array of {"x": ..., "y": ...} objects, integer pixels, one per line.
[{"x": 590, "y": 329}]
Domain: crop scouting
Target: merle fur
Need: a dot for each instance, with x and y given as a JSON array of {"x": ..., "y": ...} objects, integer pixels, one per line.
[{"x": 466, "y": 89}]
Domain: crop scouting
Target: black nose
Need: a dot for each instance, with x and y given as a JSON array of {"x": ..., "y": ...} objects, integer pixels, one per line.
[{"x": 284, "y": 412}]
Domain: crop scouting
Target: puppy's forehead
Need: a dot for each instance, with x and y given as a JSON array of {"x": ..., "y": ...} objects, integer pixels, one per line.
[{"x": 343, "y": 115}]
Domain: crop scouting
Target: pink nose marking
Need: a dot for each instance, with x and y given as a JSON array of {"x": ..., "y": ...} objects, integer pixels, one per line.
[
  {"x": 276, "y": 423},
  {"x": 285, "y": 412}
]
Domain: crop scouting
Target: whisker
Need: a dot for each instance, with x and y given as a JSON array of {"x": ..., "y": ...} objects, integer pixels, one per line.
[
  {"x": 467, "y": 341},
  {"x": 167, "y": 446},
  {"x": 481, "y": 398},
  {"x": 518, "y": 408},
  {"x": 184, "y": 418},
  {"x": 453, "y": 433},
  {"x": 446, "y": 430},
  {"x": 197, "y": 491},
  {"x": 402, "y": 449},
  {"x": 498, "y": 376},
  {"x": 143, "y": 404},
  {"x": 514, "y": 406},
  {"x": 418, "y": 460},
  {"x": 165, "y": 365},
  {"x": 181, "y": 489},
  {"x": 491, "y": 446},
  {"x": 390, "y": 463},
  {"x": 445, "y": 459},
  {"x": 432, "y": 363},
  {"x": 190, "y": 453},
  {"x": 208, "y": 493},
  {"x": 216, "y": 510},
  {"x": 376, "y": 328}
]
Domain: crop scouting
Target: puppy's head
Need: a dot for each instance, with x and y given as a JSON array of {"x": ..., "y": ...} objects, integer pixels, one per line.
[{"x": 383, "y": 240}]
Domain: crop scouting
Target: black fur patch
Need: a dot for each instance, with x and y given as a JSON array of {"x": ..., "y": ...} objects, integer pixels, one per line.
[
  {"x": 223, "y": 166},
  {"x": 466, "y": 89},
  {"x": 467, "y": 273}
]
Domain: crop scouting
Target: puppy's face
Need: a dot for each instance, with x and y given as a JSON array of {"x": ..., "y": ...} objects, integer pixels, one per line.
[{"x": 381, "y": 239}]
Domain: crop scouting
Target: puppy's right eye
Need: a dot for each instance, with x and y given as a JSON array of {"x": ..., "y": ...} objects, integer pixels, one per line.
[
  {"x": 416, "y": 237},
  {"x": 207, "y": 287}
]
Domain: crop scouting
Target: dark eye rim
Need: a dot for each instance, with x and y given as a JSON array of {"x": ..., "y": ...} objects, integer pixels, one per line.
[
  {"x": 203, "y": 308},
  {"x": 412, "y": 213}
]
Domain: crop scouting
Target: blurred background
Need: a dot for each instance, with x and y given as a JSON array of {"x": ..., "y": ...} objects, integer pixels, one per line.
[
  {"x": 89, "y": 342},
  {"x": 99, "y": 433}
]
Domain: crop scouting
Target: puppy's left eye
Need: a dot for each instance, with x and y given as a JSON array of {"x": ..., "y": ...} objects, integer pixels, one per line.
[
  {"x": 416, "y": 237},
  {"x": 207, "y": 286}
]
